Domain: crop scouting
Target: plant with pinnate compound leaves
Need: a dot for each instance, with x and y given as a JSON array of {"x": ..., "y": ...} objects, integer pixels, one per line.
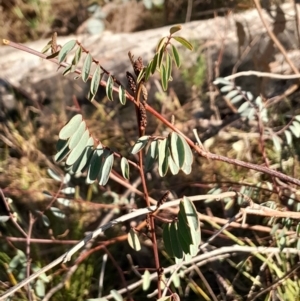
[
  {"x": 85, "y": 155},
  {"x": 251, "y": 109}
]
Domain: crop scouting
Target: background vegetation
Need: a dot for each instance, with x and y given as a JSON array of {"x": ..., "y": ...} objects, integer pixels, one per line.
[{"x": 30, "y": 180}]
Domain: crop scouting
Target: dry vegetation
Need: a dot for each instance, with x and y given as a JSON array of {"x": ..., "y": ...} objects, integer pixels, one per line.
[{"x": 27, "y": 144}]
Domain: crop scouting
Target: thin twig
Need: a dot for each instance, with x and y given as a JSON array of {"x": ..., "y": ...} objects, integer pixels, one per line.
[
  {"x": 274, "y": 38},
  {"x": 262, "y": 74},
  {"x": 91, "y": 236},
  {"x": 196, "y": 148},
  {"x": 277, "y": 282},
  {"x": 211, "y": 256},
  {"x": 28, "y": 264}
]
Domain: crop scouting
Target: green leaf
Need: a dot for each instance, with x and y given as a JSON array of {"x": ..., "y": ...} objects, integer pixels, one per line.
[
  {"x": 164, "y": 78},
  {"x": 160, "y": 58},
  {"x": 67, "y": 70},
  {"x": 288, "y": 137},
  {"x": 226, "y": 88},
  {"x": 243, "y": 107},
  {"x": 95, "y": 164},
  {"x": 276, "y": 143},
  {"x": 62, "y": 153},
  {"x": 176, "y": 282},
  {"x": 168, "y": 66},
  {"x": 161, "y": 44},
  {"x": 177, "y": 149},
  {"x": 184, "y": 42},
  {"x": 173, "y": 166},
  {"x": 151, "y": 155},
  {"x": 191, "y": 213},
  {"x": 61, "y": 143},
  {"x": 109, "y": 88},
  {"x": 176, "y": 247},
  {"x": 221, "y": 81},
  {"x": 4, "y": 218},
  {"x": 154, "y": 63},
  {"x": 148, "y": 70},
  {"x": 75, "y": 138},
  {"x": 175, "y": 28},
  {"x": 122, "y": 95},
  {"x": 52, "y": 55},
  {"x": 236, "y": 99},
  {"x": 141, "y": 76},
  {"x": 65, "y": 50},
  {"x": 163, "y": 153},
  {"x": 133, "y": 240},
  {"x": 116, "y": 295},
  {"x": 108, "y": 161},
  {"x": 184, "y": 229},
  {"x": 146, "y": 280},
  {"x": 18, "y": 259},
  {"x": 184, "y": 235},
  {"x": 140, "y": 144},
  {"x": 167, "y": 239},
  {"x": 193, "y": 222},
  {"x": 77, "y": 56},
  {"x": 78, "y": 151},
  {"x": 86, "y": 67},
  {"x": 57, "y": 212},
  {"x": 294, "y": 131},
  {"x": 186, "y": 168},
  {"x": 70, "y": 128},
  {"x": 91, "y": 96},
  {"x": 95, "y": 80},
  {"x": 39, "y": 288},
  {"x": 176, "y": 56},
  {"x": 188, "y": 155},
  {"x": 83, "y": 160},
  {"x": 296, "y": 124},
  {"x": 125, "y": 168}
]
